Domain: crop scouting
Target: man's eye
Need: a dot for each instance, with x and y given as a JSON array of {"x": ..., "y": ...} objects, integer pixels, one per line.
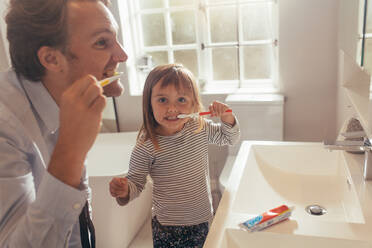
[{"x": 101, "y": 43}]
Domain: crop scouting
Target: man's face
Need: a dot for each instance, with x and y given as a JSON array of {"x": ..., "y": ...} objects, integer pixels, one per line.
[{"x": 92, "y": 44}]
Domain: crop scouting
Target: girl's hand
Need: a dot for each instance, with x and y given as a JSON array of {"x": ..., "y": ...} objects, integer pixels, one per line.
[
  {"x": 218, "y": 109},
  {"x": 119, "y": 187}
]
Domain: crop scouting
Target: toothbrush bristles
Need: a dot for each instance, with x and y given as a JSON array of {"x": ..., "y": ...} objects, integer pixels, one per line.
[{"x": 194, "y": 116}]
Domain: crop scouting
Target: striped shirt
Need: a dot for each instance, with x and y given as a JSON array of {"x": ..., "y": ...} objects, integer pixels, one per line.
[{"x": 180, "y": 173}]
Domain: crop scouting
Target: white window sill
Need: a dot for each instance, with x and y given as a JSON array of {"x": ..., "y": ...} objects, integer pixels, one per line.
[
  {"x": 226, "y": 88},
  {"x": 230, "y": 88}
]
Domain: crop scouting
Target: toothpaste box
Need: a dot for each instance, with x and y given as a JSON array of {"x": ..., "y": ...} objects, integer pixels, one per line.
[{"x": 267, "y": 219}]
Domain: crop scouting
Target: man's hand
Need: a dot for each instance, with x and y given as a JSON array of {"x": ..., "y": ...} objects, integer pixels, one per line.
[{"x": 81, "y": 107}]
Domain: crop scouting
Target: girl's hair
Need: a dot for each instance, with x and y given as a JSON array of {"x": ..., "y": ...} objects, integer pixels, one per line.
[
  {"x": 32, "y": 24},
  {"x": 169, "y": 74}
]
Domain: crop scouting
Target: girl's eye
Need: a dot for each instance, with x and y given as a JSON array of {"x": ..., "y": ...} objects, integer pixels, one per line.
[
  {"x": 182, "y": 99},
  {"x": 162, "y": 100}
]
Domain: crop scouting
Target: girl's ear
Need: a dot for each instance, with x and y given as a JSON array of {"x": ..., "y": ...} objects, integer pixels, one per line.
[{"x": 52, "y": 59}]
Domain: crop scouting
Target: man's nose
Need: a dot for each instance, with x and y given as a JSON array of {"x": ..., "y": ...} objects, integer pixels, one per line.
[{"x": 119, "y": 54}]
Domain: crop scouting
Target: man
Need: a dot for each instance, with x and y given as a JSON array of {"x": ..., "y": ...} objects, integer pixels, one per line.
[{"x": 50, "y": 114}]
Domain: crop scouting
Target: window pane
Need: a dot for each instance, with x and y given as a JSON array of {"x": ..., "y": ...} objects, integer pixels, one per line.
[
  {"x": 189, "y": 59},
  {"x": 368, "y": 55},
  {"x": 173, "y": 3},
  {"x": 183, "y": 27},
  {"x": 223, "y": 24},
  {"x": 257, "y": 23},
  {"x": 225, "y": 63},
  {"x": 146, "y": 4},
  {"x": 153, "y": 30},
  {"x": 257, "y": 61},
  {"x": 159, "y": 58}
]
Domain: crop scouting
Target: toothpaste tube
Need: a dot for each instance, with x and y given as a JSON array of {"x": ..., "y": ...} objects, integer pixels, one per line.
[{"x": 267, "y": 219}]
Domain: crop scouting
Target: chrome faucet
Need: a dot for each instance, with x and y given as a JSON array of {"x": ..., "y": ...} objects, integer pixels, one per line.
[{"x": 356, "y": 146}]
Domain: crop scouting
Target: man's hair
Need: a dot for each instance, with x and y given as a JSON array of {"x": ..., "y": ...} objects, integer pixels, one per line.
[{"x": 32, "y": 24}]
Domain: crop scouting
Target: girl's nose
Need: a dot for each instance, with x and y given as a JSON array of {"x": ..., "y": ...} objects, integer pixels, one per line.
[{"x": 172, "y": 108}]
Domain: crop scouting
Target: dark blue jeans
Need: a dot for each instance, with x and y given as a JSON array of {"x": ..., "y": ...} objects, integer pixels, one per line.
[{"x": 178, "y": 236}]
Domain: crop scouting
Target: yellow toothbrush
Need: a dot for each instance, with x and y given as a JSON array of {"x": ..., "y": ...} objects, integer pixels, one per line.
[{"x": 107, "y": 81}]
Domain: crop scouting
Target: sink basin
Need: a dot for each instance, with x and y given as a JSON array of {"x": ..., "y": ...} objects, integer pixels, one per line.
[
  {"x": 299, "y": 176},
  {"x": 235, "y": 238}
]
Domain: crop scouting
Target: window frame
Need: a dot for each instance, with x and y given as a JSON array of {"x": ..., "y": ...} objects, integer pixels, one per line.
[{"x": 132, "y": 23}]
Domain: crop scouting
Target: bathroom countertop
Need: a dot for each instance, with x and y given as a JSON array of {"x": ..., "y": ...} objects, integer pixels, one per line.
[
  {"x": 115, "y": 225},
  {"x": 110, "y": 154},
  {"x": 226, "y": 219}
]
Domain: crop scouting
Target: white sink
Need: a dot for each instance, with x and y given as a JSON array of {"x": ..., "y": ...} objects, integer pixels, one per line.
[
  {"x": 298, "y": 175},
  {"x": 235, "y": 238},
  {"x": 267, "y": 174}
]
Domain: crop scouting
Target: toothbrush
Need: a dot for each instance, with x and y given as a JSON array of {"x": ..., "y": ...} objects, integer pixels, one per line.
[
  {"x": 109, "y": 80},
  {"x": 194, "y": 115}
]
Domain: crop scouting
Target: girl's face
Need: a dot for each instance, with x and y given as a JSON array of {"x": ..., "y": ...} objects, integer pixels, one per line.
[{"x": 167, "y": 103}]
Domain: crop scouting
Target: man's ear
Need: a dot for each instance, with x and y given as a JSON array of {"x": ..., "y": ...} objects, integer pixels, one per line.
[{"x": 51, "y": 58}]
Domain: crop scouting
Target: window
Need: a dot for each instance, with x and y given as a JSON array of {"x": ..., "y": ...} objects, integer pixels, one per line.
[{"x": 229, "y": 45}]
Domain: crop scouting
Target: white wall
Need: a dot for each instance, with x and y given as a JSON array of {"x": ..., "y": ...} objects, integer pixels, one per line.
[
  {"x": 4, "y": 54},
  {"x": 308, "y": 71},
  {"x": 348, "y": 38},
  {"x": 308, "y": 67}
]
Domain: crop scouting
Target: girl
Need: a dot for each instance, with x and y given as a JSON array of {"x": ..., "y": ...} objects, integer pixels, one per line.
[{"x": 174, "y": 152}]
